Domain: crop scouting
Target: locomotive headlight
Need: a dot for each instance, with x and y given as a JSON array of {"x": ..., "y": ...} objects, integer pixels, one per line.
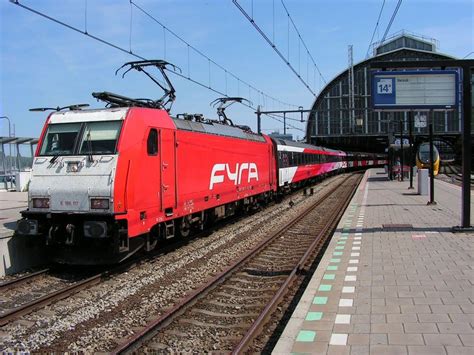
[
  {"x": 95, "y": 229},
  {"x": 100, "y": 203},
  {"x": 40, "y": 202}
]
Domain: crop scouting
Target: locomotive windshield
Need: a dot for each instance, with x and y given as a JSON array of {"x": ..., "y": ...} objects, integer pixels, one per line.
[{"x": 81, "y": 138}]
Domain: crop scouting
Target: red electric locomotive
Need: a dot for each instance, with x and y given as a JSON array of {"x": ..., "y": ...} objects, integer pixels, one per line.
[{"x": 109, "y": 182}]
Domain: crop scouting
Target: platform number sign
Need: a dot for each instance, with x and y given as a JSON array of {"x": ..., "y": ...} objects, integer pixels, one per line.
[{"x": 385, "y": 86}]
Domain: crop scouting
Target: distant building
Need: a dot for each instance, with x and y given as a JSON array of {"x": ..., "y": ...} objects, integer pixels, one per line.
[
  {"x": 278, "y": 135},
  {"x": 332, "y": 124}
]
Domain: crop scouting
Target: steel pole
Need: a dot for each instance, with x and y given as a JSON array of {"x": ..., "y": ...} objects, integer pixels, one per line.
[
  {"x": 466, "y": 147},
  {"x": 9, "y": 151},
  {"x": 284, "y": 123},
  {"x": 411, "y": 145},
  {"x": 432, "y": 198},
  {"x": 401, "y": 150},
  {"x": 259, "y": 120}
]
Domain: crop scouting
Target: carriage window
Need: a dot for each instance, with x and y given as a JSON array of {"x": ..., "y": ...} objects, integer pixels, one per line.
[{"x": 152, "y": 142}]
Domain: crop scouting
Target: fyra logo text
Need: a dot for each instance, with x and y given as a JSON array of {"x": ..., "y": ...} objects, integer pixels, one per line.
[{"x": 221, "y": 171}]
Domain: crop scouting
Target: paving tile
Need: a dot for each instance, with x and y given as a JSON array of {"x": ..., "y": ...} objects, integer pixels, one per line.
[
  {"x": 386, "y": 309},
  {"x": 447, "y": 309},
  {"x": 361, "y": 328},
  {"x": 338, "y": 339},
  {"x": 426, "y": 350},
  {"x": 324, "y": 287},
  {"x": 312, "y": 316},
  {"x": 433, "y": 318},
  {"x": 358, "y": 339},
  {"x": 461, "y": 318},
  {"x": 405, "y": 339},
  {"x": 401, "y": 318},
  {"x": 427, "y": 300},
  {"x": 378, "y": 318},
  {"x": 343, "y": 319},
  {"x": 306, "y": 336},
  {"x": 386, "y": 328},
  {"x": 309, "y": 348},
  {"x": 419, "y": 309},
  {"x": 467, "y": 339},
  {"x": 442, "y": 339},
  {"x": 319, "y": 325},
  {"x": 378, "y": 339},
  {"x": 346, "y": 302},
  {"x": 360, "y": 350},
  {"x": 457, "y": 328},
  {"x": 338, "y": 350},
  {"x": 420, "y": 328},
  {"x": 388, "y": 350},
  {"x": 457, "y": 350}
]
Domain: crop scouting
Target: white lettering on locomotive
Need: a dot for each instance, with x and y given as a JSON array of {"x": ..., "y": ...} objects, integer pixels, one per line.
[{"x": 235, "y": 176}]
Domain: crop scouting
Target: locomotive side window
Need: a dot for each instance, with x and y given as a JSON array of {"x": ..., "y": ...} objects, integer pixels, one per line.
[
  {"x": 60, "y": 139},
  {"x": 152, "y": 142}
]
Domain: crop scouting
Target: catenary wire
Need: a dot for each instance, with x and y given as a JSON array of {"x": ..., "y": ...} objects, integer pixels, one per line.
[
  {"x": 130, "y": 52},
  {"x": 375, "y": 29}
]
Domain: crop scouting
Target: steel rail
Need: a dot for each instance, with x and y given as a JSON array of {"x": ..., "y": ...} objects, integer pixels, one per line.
[
  {"x": 47, "y": 299},
  {"x": 256, "y": 327},
  {"x": 20, "y": 280},
  {"x": 132, "y": 343}
]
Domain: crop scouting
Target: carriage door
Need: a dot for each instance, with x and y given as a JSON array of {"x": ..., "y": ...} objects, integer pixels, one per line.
[{"x": 168, "y": 171}]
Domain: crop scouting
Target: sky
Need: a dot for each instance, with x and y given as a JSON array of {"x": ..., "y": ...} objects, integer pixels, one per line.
[{"x": 46, "y": 64}]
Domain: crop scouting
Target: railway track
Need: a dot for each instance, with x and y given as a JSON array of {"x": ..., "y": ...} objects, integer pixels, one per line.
[
  {"x": 453, "y": 174},
  {"x": 37, "y": 290},
  {"x": 232, "y": 311}
]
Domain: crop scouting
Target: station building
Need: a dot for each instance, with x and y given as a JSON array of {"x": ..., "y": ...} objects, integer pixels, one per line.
[{"x": 334, "y": 124}]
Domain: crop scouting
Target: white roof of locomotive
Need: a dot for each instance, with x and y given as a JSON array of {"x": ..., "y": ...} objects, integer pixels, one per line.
[{"x": 114, "y": 114}]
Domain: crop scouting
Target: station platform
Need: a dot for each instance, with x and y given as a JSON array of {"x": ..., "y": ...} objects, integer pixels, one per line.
[
  {"x": 16, "y": 253},
  {"x": 394, "y": 279}
]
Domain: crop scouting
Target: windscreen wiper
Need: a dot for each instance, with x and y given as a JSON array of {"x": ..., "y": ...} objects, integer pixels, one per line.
[
  {"x": 89, "y": 146},
  {"x": 54, "y": 158}
]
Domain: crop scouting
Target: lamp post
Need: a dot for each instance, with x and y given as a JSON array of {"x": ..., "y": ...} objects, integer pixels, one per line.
[
  {"x": 9, "y": 150},
  {"x": 9, "y": 125}
]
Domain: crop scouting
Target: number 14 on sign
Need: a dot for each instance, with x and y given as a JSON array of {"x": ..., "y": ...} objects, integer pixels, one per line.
[{"x": 384, "y": 86}]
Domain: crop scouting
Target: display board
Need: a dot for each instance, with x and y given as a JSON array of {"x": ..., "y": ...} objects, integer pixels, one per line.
[{"x": 422, "y": 89}]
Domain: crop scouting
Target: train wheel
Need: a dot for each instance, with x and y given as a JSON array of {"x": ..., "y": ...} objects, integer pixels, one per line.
[{"x": 185, "y": 227}]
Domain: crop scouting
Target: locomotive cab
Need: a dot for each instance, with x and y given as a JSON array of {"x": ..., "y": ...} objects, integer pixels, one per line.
[{"x": 71, "y": 193}]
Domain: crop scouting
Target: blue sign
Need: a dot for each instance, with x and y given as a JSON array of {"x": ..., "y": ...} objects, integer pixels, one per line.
[{"x": 418, "y": 89}]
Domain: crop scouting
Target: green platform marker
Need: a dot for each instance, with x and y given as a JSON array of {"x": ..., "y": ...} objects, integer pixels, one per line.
[
  {"x": 340, "y": 247},
  {"x": 320, "y": 300},
  {"x": 335, "y": 260},
  {"x": 314, "y": 316},
  {"x": 341, "y": 242},
  {"x": 325, "y": 288},
  {"x": 343, "y": 238},
  {"x": 337, "y": 253},
  {"x": 306, "y": 336},
  {"x": 329, "y": 276},
  {"x": 332, "y": 268}
]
